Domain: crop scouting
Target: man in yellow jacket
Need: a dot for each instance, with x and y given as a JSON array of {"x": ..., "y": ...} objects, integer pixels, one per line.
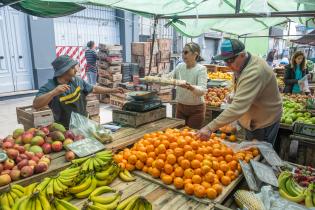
[{"x": 257, "y": 103}]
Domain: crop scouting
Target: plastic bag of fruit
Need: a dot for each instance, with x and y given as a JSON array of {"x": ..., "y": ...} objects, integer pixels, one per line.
[{"x": 81, "y": 125}]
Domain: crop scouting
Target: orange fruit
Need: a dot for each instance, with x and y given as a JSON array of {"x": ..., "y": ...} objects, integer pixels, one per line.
[
  {"x": 199, "y": 191},
  {"x": 169, "y": 151},
  {"x": 188, "y": 173},
  {"x": 229, "y": 151},
  {"x": 187, "y": 148},
  {"x": 178, "y": 183},
  {"x": 196, "y": 179},
  {"x": 161, "y": 149},
  {"x": 198, "y": 171},
  {"x": 215, "y": 165},
  {"x": 229, "y": 173},
  {"x": 181, "y": 142},
  {"x": 207, "y": 163},
  {"x": 179, "y": 172},
  {"x": 126, "y": 154},
  {"x": 171, "y": 159},
  {"x": 189, "y": 188},
  {"x": 165, "y": 143},
  {"x": 223, "y": 135},
  {"x": 205, "y": 169},
  {"x": 189, "y": 155},
  {"x": 156, "y": 143},
  {"x": 186, "y": 181},
  {"x": 173, "y": 145},
  {"x": 142, "y": 156},
  {"x": 168, "y": 168},
  {"x": 211, "y": 193},
  {"x": 152, "y": 155},
  {"x": 178, "y": 152},
  {"x": 159, "y": 164},
  {"x": 194, "y": 145},
  {"x": 224, "y": 167},
  {"x": 132, "y": 159},
  {"x": 149, "y": 162},
  {"x": 212, "y": 135},
  {"x": 216, "y": 146},
  {"x": 195, "y": 164},
  {"x": 205, "y": 184},
  {"x": 218, "y": 188},
  {"x": 201, "y": 151},
  {"x": 130, "y": 167},
  {"x": 255, "y": 152},
  {"x": 145, "y": 169},
  {"x": 185, "y": 164},
  {"x": 232, "y": 138},
  {"x": 155, "y": 172},
  {"x": 225, "y": 180},
  {"x": 179, "y": 159},
  {"x": 167, "y": 179},
  {"x": 199, "y": 157},
  {"x": 219, "y": 173},
  {"x": 162, "y": 156},
  {"x": 150, "y": 148},
  {"x": 209, "y": 177},
  {"x": 122, "y": 165},
  {"x": 139, "y": 165},
  {"x": 233, "y": 165},
  {"x": 216, "y": 152},
  {"x": 146, "y": 136},
  {"x": 118, "y": 158},
  {"x": 228, "y": 158}
]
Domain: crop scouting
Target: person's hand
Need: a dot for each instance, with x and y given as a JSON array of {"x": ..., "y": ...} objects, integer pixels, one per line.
[
  {"x": 187, "y": 86},
  {"x": 118, "y": 90},
  {"x": 61, "y": 89},
  {"x": 204, "y": 133}
]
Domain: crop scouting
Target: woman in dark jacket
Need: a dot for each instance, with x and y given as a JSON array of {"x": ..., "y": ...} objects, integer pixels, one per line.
[{"x": 295, "y": 71}]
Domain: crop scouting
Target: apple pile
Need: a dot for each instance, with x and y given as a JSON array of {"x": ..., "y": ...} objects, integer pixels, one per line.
[
  {"x": 304, "y": 175},
  {"x": 215, "y": 96},
  {"x": 28, "y": 151}
]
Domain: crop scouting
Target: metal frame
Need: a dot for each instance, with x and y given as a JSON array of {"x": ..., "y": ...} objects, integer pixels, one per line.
[{"x": 8, "y": 4}]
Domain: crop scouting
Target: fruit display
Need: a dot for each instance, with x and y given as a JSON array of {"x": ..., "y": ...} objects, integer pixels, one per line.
[
  {"x": 298, "y": 98},
  {"x": 295, "y": 112},
  {"x": 9, "y": 198},
  {"x": 220, "y": 75},
  {"x": 135, "y": 202},
  {"x": 216, "y": 96},
  {"x": 280, "y": 82},
  {"x": 177, "y": 157},
  {"x": 96, "y": 201},
  {"x": 227, "y": 132}
]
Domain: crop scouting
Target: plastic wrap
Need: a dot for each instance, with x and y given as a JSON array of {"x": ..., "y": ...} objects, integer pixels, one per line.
[{"x": 81, "y": 125}]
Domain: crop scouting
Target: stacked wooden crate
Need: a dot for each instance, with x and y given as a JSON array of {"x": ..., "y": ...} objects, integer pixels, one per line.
[
  {"x": 128, "y": 71},
  {"x": 93, "y": 110},
  {"x": 109, "y": 67},
  {"x": 163, "y": 58}
]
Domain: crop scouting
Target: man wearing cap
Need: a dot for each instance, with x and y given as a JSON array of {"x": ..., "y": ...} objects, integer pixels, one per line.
[
  {"x": 257, "y": 104},
  {"x": 66, "y": 92}
]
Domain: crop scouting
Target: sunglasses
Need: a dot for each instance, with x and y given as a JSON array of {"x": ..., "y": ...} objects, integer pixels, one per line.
[
  {"x": 185, "y": 52},
  {"x": 230, "y": 60}
]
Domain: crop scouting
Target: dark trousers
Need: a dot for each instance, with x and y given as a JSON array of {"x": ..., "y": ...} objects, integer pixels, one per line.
[
  {"x": 194, "y": 115},
  {"x": 268, "y": 134}
]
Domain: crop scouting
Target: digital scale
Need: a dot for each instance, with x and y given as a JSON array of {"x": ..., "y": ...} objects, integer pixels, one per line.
[{"x": 140, "y": 102}]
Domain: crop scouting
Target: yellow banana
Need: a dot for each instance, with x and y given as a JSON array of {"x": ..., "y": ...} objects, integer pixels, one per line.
[
  {"x": 44, "y": 201},
  {"x": 68, "y": 198},
  {"x": 66, "y": 181},
  {"x": 132, "y": 203},
  {"x": 137, "y": 204},
  {"x": 10, "y": 199},
  {"x": 38, "y": 205},
  {"x": 59, "y": 206},
  {"x": 28, "y": 204},
  {"x": 125, "y": 177},
  {"x": 102, "y": 190},
  {"x": 147, "y": 204},
  {"x": 296, "y": 199},
  {"x": 80, "y": 160},
  {"x": 82, "y": 186},
  {"x": 142, "y": 205},
  {"x": 57, "y": 189},
  {"x": 93, "y": 207},
  {"x": 30, "y": 188},
  {"x": 104, "y": 153},
  {"x": 127, "y": 201},
  {"x": 104, "y": 174},
  {"x": 14, "y": 195},
  {"x": 50, "y": 188},
  {"x": 18, "y": 187},
  {"x": 88, "y": 191},
  {"x": 109, "y": 206},
  {"x": 62, "y": 186},
  {"x": 91, "y": 164},
  {"x": 66, "y": 205},
  {"x": 17, "y": 192},
  {"x": 102, "y": 183},
  {"x": 85, "y": 165},
  {"x": 105, "y": 200},
  {"x": 17, "y": 204},
  {"x": 4, "y": 200}
]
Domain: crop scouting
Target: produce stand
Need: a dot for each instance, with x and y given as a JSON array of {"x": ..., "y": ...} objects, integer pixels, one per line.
[{"x": 121, "y": 139}]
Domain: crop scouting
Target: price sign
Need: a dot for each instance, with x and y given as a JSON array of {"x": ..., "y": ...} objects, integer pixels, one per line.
[
  {"x": 270, "y": 155},
  {"x": 264, "y": 173},
  {"x": 249, "y": 176},
  {"x": 85, "y": 147}
]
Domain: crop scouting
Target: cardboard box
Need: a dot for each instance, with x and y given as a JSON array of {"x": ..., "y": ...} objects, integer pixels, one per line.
[
  {"x": 163, "y": 57},
  {"x": 105, "y": 47},
  {"x": 164, "y": 44}
]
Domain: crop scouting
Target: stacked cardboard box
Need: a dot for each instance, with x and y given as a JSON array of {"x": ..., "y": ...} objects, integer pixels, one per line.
[
  {"x": 109, "y": 67},
  {"x": 164, "y": 55}
]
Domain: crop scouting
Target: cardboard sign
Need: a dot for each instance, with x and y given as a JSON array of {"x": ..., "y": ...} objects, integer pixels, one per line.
[
  {"x": 249, "y": 176},
  {"x": 270, "y": 155},
  {"x": 85, "y": 147},
  {"x": 264, "y": 173}
]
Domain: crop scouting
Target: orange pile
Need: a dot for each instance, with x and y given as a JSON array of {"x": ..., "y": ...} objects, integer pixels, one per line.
[{"x": 175, "y": 156}]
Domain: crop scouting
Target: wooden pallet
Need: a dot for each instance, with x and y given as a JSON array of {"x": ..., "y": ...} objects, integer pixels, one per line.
[{"x": 121, "y": 139}]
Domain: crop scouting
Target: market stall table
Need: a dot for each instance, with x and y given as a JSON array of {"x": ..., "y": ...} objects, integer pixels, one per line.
[{"x": 122, "y": 138}]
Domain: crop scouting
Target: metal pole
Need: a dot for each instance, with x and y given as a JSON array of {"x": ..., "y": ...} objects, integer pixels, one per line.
[
  {"x": 237, "y": 6},
  {"x": 243, "y": 36},
  {"x": 153, "y": 41}
]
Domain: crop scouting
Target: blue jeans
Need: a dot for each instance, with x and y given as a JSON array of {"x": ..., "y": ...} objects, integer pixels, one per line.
[
  {"x": 92, "y": 76},
  {"x": 268, "y": 134}
]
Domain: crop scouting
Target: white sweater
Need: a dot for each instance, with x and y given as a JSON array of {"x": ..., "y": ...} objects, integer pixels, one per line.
[{"x": 197, "y": 77}]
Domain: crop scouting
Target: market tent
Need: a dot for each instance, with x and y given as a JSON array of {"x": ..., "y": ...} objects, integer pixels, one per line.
[{"x": 308, "y": 39}]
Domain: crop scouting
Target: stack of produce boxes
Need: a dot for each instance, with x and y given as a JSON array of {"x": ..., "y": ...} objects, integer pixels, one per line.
[{"x": 109, "y": 67}]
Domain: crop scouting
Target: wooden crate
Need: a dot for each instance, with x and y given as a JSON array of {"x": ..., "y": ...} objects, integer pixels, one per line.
[
  {"x": 144, "y": 61},
  {"x": 31, "y": 118},
  {"x": 105, "y": 47},
  {"x": 164, "y": 44},
  {"x": 104, "y": 81},
  {"x": 135, "y": 119},
  {"x": 92, "y": 97},
  {"x": 140, "y": 48},
  {"x": 104, "y": 98},
  {"x": 117, "y": 100},
  {"x": 102, "y": 64},
  {"x": 93, "y": 107},
  {"x": 163, "y": 57},
  {"x": 115, "y": 77}
]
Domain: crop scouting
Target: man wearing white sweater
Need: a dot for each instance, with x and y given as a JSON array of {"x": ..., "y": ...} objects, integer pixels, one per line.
[{"x": 257, "y": 103}]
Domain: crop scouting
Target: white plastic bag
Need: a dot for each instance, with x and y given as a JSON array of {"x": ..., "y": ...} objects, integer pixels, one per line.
[{"x": 303, "y": 83}]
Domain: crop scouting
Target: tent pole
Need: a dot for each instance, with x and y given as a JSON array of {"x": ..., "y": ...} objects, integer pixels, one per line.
[
  {"x": 152, "y": 46},
  {"x": 8, "y": 4},
  {"x": 261, "y": 36},
  {"x": 237, "y": 6}
]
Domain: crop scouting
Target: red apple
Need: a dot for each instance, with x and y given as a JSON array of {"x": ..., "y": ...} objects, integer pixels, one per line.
[
  {"x": 45, "y": 130},
  {"x": 15, "y": 175},
  {"x": 7, "y": 145},
  {"x": 18, "y": 159},
  {"x": 1, "y": 167},
  {"x": 23, "y": 163},
  {"x": 32, "y": 163},
  {"x": 32, "y": 130},
  {"x": 23, "y": 156},
  {"x": 27, "y": 137},
  {"x": 35, "y": 158},
  {"x": 12, "y": 153},
  {"x": 5, "y": 179},
  {"x": 46, "y": 148},
  {"x": 29, "y": 154},
  {"x": 69, "y": 134},
  {"x": 9, "y": 138},
  {"x": 8, "y": 164},
  {"x": 27, "y": 171},
  {"x": 56, "y": 146},
  {"x": 39, "y": 155},
  {"x": 41, "y": 167},
  {"x": 21, "y": 149},
  {"x": 69, "y": 156},
  {"x": 67, "y": 141},
  {"x": 15, "y": 168},
  {"x": 6, "y": 172},
  {"x": 18, "y": 140},
  {"x": 45, "y": 160}
]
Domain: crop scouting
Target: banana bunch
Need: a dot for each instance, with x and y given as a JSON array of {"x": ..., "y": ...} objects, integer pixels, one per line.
[
  {"x": 95, "y": 162},
  {"x": 58, "y": 186},
  {"x": 135, "y": 202},
  {"x": 289, "y": 189},
  {"x": 107, "y": 175},
  {"x": 85, "y": 187},
  {"x": 103, "y": 202},
  {"x": 59, "y": 204},
  {"x": 8, "y": 199},
  {"x": 35, "y": 201},
  {"x": 126, "y": 176},
  {"x": 310, "y": 196}
]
